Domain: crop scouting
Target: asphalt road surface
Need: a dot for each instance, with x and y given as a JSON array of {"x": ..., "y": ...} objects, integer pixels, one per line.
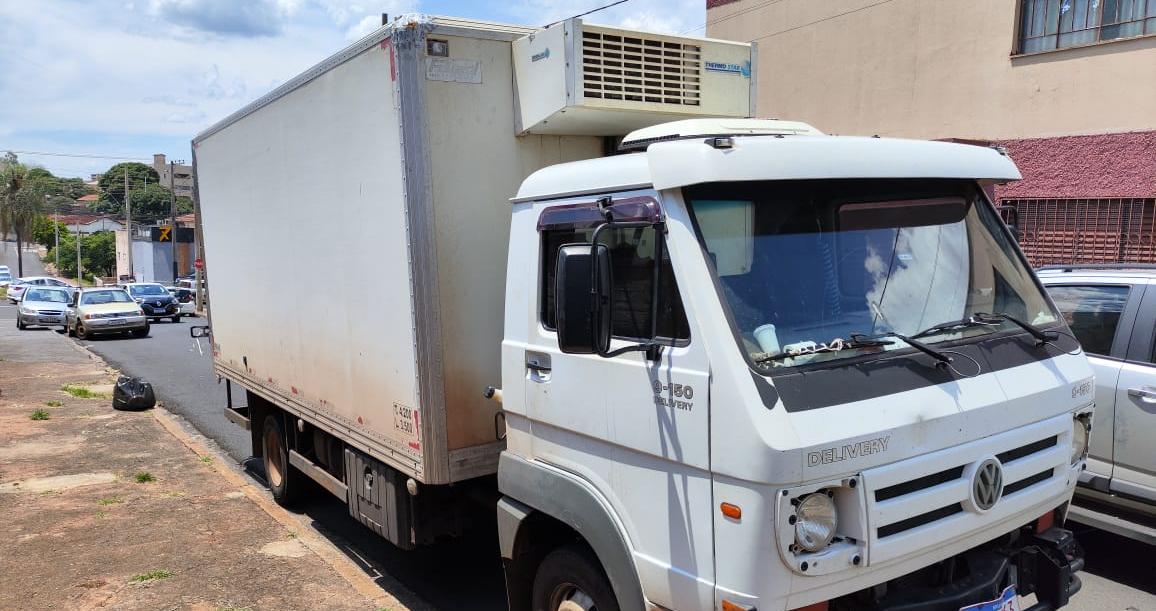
[{"x": 1120, "y": 574}]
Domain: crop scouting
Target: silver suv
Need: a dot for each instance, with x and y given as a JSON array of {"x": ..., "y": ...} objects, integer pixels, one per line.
[{"x": 1112, "y": 310}]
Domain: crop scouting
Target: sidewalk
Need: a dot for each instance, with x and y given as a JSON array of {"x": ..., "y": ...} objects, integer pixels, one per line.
[{"x": 107, "y": 509}]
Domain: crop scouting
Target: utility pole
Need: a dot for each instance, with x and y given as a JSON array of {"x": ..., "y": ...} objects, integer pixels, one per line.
[
  {"x": 78, "y": 274},
  {"x": 127, "y": 224},
  {"x": 173, "y": 220},
  {"x": 56, "y": 231}
]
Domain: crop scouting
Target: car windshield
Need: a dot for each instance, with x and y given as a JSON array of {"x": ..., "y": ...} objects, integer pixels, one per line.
[
  {"x": 52, "y": 295},
  {"x": 144, "y": 290},
  {"x": 805, "y": 265},
  {"x": 104, "y": 296}
]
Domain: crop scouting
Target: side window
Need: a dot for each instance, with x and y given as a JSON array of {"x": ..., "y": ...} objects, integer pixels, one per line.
[
  {"x": 1093, "y": 312},
  {"x": 632, "y": 270}
]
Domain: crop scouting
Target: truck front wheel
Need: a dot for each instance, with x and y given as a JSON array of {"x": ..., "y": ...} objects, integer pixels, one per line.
[
  {"x": 283, "y": 481},
  {"x": 571, "y": 579}
]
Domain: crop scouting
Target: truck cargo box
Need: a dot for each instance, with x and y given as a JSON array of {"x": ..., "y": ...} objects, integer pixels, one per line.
[{"x": 355, "y": 225}]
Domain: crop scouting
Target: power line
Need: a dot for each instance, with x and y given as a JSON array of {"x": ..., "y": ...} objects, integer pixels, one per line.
[
  {"x": 799, "y": 27},
  {"x": 737, "y": 13},
  {"x": 78, "y": 155},
  {"x": 593, "y": 10}
]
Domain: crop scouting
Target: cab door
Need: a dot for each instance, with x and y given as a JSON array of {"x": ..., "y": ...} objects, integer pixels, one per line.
[
  {"x": 636, "y": 429},
  {"x": 1100, "y": 312}
]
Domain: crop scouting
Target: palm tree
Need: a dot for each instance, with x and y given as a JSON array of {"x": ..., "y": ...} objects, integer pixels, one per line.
[{"x": 21, "y": 200}]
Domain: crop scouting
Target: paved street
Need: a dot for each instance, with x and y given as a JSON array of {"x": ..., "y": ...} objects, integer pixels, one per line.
[{"x": 1120, "y": 575}]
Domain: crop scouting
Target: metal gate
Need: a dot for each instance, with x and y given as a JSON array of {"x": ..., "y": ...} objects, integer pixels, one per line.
[{"x": 1062, "y": 231}]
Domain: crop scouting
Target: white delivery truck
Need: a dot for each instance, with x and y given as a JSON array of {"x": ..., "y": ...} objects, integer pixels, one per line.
[{"x": 732, "y": 364}]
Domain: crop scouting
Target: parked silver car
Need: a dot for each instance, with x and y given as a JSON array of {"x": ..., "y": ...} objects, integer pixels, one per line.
[{"x": 43, "y": 306}]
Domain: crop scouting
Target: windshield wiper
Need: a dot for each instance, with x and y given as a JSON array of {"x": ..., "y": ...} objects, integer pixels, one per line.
[
  {"x": 1042, "y": 337},
  {"x": 941, "y": 358},
  {"x": 955, "y": 325},
  {"x": 858, "y": 340}
]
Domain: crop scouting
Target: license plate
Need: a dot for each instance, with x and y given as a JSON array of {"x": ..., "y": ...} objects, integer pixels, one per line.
[
  {"x": 50, "y": 319},
  {"x": 117, "y": 322},
  {"x": 1007, "y": 601}
]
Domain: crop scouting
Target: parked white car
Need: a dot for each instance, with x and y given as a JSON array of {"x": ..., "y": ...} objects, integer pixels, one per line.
[
  {"x": 5, "y": 277},
  {"x": 43, "y": 306},
  {"x": 17, "y": 288}
]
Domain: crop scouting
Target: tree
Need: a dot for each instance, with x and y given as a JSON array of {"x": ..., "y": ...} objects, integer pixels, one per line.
[
  {"x": 112, "y": 185},
  {"x": 97, "y": 254},
  {"x": 21, "y": 200},
  {"x": 44, "y": 232}
]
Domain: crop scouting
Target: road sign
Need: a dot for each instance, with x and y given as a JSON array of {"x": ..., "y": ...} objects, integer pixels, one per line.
[
  {"x": 199, "y": 264},
  {"x": 165, "y": 234}
]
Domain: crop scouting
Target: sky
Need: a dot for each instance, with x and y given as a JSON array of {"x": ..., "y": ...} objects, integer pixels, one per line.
[{"x": 131, "y": 78}]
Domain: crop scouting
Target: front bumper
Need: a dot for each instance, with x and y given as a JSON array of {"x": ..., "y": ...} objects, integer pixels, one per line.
[
  {"x": 160, "y": 311},
  {"x": 34, "y": 320},
  {"x": 1044, "y": 564},
  {"x": 112, "y": 325}
]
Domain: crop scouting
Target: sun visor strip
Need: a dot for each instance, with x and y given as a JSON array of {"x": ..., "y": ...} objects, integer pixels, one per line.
[{"x": 591, "y": 214}]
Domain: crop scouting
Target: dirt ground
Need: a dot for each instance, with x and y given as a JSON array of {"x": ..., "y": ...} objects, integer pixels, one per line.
[{"x": 107, "y": 509}]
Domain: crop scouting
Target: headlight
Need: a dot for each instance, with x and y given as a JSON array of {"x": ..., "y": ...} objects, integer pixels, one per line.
[
  {"x": 815, "y": 521},
  {"x": 25, "y": 311},
  {"x": 1079, "y": 438}
]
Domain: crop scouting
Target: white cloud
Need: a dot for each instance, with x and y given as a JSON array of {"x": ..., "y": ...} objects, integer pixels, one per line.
[{"x": 667, "y": 16}]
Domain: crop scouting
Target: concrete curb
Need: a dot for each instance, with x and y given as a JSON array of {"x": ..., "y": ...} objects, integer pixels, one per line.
[{"x": 347, "y": 569}]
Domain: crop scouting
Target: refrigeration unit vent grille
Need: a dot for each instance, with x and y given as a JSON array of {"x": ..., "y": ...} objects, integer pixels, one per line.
[{"x": 637, "y": 68}]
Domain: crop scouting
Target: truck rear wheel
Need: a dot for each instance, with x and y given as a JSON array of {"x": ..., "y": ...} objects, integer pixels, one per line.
[
  {"x": 284, "y": 482},
  {"x": 571, "y": 579}
]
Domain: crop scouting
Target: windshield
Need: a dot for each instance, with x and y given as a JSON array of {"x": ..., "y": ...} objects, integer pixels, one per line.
[
  {"x": 147, "y": 289},
  {"x": 802, "y": 264},
  {"x": 52, "y": 295},
  {"x": 105, "y": 296}
]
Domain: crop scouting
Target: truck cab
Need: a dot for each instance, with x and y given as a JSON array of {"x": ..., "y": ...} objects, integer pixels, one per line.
[{"x": 748, "y": 365}]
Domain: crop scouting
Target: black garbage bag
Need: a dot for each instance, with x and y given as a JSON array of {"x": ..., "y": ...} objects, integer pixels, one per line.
[{"x": 133, "y": 393}]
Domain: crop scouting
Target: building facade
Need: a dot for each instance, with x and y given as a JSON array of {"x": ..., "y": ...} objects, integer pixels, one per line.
[
  {"x": 182, "y": 175},
  {"x": 1068, "y": 87}
]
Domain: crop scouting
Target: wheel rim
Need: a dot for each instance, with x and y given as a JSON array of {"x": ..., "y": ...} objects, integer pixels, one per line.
[
  {"x": 569, "y": 597},
  {"x": 273, "y": 467}
]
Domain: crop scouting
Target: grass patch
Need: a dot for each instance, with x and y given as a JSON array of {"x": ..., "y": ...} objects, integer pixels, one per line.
[
  {"x": 152, "y": 576},
  {"x": 110, "y": 501},
  {"x": 144, "y": 477},
  {"x": 207, "y": 459},
  {"x": 40, "y": 414},
  {"x": 81, "y": 392},
  {"x": 54, "y": 403},
  {"x": 102, "y": 514}
]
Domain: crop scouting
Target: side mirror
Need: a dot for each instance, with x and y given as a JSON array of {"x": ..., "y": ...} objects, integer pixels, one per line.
[
  {"x": 200, "y": 331},
  {"x": 582, "y": 309}
]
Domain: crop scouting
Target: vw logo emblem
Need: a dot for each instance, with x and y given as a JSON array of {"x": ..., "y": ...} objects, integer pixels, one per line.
[{"x": 987, "y": 484}]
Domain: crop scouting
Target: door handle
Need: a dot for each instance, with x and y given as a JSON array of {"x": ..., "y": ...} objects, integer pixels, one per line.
[
  {"x": 1144, "y": 393},
  {"x": 538, "y": 364}
]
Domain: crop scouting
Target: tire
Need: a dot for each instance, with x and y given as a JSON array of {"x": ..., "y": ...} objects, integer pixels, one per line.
[
  {"x": 572, "y": 578},
  {"x": 20, "y": 323},
  {"x": 81, "y": 332},
  {"x": 141, "y": 332},
  {"x": 284, "y": 481},
  {"x": 176, "y": 318},
  {"x": 68, "y": 330}
]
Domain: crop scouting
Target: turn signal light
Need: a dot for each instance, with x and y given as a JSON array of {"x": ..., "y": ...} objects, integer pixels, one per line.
[{"x": 733, "y": 512}]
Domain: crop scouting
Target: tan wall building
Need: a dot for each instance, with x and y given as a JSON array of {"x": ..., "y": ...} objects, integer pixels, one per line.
[
  {"x": 182, "y": 175},
  {"x": 1067, "y": 86}
]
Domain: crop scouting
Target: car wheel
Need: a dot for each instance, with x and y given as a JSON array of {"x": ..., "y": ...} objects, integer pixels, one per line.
[
  {"x": 571, "y": 579},
  {"x": 283, "y": 479},
  {"x": 176, "y": 318},
  {"x": 68, "y": 330},
  {"x": 20, "y": 323},
  {"x": 81, "y": 331},
  {"x": 141, "y": 332}
]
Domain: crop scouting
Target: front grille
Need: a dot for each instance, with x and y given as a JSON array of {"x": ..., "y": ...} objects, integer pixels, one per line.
[
  {"x": 905, "y": 501},
  {"x": 49, "y": 312},
  {"x": 636, "y": 68},
  {"x": 920, "y": 520},
  {"x": 914, "y": 485}
]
